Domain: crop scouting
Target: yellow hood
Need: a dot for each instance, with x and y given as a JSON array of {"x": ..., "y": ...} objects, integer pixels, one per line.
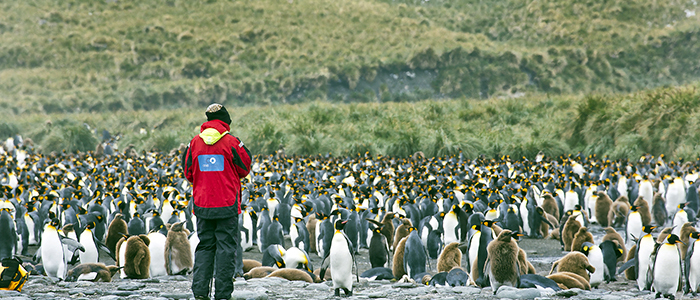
[{"x": 210, "y": 136}]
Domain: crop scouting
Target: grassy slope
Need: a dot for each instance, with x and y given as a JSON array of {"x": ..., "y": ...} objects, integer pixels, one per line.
[
  {"x": 79, "y": 55},
  {"x": 663, "y": 120}
]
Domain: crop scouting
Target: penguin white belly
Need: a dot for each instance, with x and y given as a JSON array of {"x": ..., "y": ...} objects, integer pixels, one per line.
[
  {"x": 68, "y": 255},
  {"x": 293, "y": 257},
  {"x": 646, "y": 191},
  {"x": 122, "y": 259},
  {"x": 570, "y": 201},
  {"x": 634, "y": 227},
  {"x": 293, "y": 234},
  {"x": 319, "y": 242},
  {"x": 369, "y": 236},
  {"x": 341, "y": 263},
  {"x": 474, "y": 247},
  {"x": 157, "y": 249},
  {"x": 525, "y": 216},
  {"x": 667, "y": 269},
  {"x": 674, "y": 196},
  {"x": 424, "y": 236},
  {"x": 622, "y": 187},
  {"x": 30, "y": 227},
  {"x": 52, "y": 255},
  {"x": 591, "y": 208},
  {"x": 679, "y": 219},
  {"x": 491, "y": 215},
  {"x": 595, "y": 258},
  {"x": 194, "y": 241},
  {"x": 646, "y": 246},
  {"x": 246, "y": 243},
  {"x": 449, "y": 225},
  {"x": 88, "y": 277},
  {"x": 694, "y": 272},
  {"x": 90, "y": 255},
  {"x": 272, "y": 207}
]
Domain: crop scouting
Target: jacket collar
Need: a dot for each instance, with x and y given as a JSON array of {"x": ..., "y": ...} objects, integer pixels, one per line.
[{"x": 212, "y": 131}]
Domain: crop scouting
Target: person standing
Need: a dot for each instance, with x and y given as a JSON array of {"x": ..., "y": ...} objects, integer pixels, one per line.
[{"x": 215, "y": 162}]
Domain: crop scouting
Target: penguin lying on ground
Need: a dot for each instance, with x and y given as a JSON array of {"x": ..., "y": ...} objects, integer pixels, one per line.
[
  {"x": 378, "y": 273},
  {"x": 95, "y": 272},
  {"x": 574, "y": 262}
]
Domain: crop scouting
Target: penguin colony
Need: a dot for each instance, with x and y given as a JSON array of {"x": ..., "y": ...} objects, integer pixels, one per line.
[{"x": 467, "y": 213}]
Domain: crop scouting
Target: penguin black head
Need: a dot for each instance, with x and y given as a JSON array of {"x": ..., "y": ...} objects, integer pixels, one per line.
[
  {"x": 577, "y": 207},
  {"x": 586, "y": 247},
  {"x": 91, "y": 225},
  {"x": 673, "y": 239},
  {"x": 488, "y": 223},
  {"x": 55, "y": 222},
  {"x": 681, "y": 206},
  {"x": 634, "y": 208},
  {"x": 339, "y": 224},
  {"x": 695, "y": 235},
  {"x": 648, "y": 228}
]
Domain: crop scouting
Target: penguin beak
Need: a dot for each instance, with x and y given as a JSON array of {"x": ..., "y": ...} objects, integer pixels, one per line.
[{"x": 344, "y": 222}]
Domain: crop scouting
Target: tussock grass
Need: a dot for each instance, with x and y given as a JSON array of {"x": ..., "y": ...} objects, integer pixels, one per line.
[{"x": 663, "y": 120}]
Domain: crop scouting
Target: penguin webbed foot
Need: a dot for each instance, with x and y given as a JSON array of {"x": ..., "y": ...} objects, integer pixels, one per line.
[
  {"x": 347, "y": 292},
  {"x": 337, "y": 292},
  {"x": 658, "y": 295}
]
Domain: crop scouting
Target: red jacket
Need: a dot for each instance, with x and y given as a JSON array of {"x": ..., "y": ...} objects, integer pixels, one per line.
[{"x": 214, "y": 163}]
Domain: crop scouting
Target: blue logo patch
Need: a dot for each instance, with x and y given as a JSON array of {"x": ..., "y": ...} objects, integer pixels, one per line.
[{"x": 211, "y": 163}]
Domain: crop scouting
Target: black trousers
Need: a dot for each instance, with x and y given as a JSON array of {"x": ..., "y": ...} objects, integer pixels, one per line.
[{"x": 216, "y": 252}]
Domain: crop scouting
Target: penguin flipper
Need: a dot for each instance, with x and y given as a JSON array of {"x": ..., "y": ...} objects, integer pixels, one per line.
[
  {"x": 375, "y": 222},
  {"x": 324, "y": 266},
  {"x": 630, "y": 263},
  {"x": 103, "y": 247},
  {"x": 72, "y": 244},
  {"x": 686, "y": 270}
]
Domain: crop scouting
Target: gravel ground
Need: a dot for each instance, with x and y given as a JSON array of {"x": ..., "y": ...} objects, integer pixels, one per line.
[{"x": 540, "y": 252}]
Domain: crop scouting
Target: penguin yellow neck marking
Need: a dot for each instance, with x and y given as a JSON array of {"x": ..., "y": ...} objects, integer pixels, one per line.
[{"x": 337, "y": 231}]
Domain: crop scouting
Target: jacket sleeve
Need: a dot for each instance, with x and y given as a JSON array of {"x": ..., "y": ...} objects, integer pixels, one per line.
[
  {"x": 187, "y": 164},
  {"x": 241, "y": 158}
]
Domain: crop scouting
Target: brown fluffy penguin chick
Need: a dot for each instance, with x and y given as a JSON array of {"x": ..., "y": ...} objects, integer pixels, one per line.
[
  {"x": 259, "y": 272},
  {"x": 292, "y": 275},
  {"x": 525, "y": 266},
  {"x": 658, "y": 210},
  {"x": 574, "y": 262},
  {"x": 138, "y": 257},
  {"x": 503, "y": 261},
  {"x": 617, "y": 215},
  {"x": 644, "y": 210},
  {"x": 612, "y": 235},
  {"x": 178, "y": 256},
  {"x": 544, "y": 228},
  {"x": 317, "y": 273},
  {"x": 426, "y": 279},
  {"x": 549, "y": 204},
  {"x": 397, "y": 261},
  {"x": 686, "y": 230},
  {"x": 117, "y": 229},
  {"x": 449, "y": 258},
  {"x": 581, "y": 237},
  {"x": 602, "y": 208},
  {"x": 311, "y": 227},
  {"x": 663, "y": 234},
  {"x": 102, "y": 273},
  {"x": 401, "y": 231},
  {"x": 571, "y": 227},
  {"x": 249, "y": 264},
  {"x": 570, "y": 280},
  {"x": 496, "y": 229},
  {"x": 631, "y": 272}
]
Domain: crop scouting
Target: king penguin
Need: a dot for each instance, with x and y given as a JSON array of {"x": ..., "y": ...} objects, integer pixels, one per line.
[
  {"x": 117, "y": 229},
  {"x": 415, "y": 256},
  {"x": 157, "y": 249},
  {"x": 450, "y": 226},
  {"x": 667, "y": 268},
  {"x": 645, "y": 246},
  {"x": 378, "y": 249},
  {"x": 502, "y": 265},
  {"x": 595, "y": 258},
  {"x": 341, "y": 260},
  {"x": 634, "y": 224},
  {"x": 137, "y": 258},
  {"x": 52, "y": 256},
  {"x": 692, "y": 265},
  {"x": 178, "y": 258}
]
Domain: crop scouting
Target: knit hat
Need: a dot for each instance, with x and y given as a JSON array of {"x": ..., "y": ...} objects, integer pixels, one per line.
[{"x": 218, "y": 112}]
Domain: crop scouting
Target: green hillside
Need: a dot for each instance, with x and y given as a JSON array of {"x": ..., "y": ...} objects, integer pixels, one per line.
[
  {"x": 67, "y": 56},
  {"x": 664, "y": 120}
]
